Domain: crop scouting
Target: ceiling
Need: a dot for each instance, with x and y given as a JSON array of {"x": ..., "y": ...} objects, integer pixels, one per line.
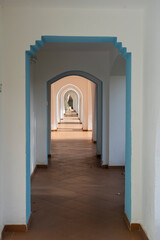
[
  {"x": 94, "y": 4},
  {"x": 78, "y": 47}
]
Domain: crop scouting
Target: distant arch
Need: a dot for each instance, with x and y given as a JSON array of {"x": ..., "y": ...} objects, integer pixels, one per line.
[
  {"x": 75, "y": 98},
  {"x": 59, "y": 101}
]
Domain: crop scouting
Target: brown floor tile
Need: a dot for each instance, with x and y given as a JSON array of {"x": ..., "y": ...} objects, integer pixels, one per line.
[{"x": 74, "y": 198}]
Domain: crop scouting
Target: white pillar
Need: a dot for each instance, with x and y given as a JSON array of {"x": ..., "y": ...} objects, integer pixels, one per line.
[
  {"x": 98, "y": 118},
  {"x": 53, "y": 108},
  {"x": 105, "y": 124},
  {"x": 85, "y": 108},
  {"x": 89, "y": 105},
  {"x": 32, "y": 120},
  {"x": 52, "y": 126},
  {"x": 49, "y": 119},
  {"x": 1, "y": 165},
  {"x": 94, "y": 112}
]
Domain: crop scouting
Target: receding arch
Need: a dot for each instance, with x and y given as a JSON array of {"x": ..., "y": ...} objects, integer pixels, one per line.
[
  {"x": 80, "y": 99},
  {"x": 99, "y": 101},
  {"x": 77, "y": 90},
  {"x": 76, "y": 103},
  {"x": 71, "y": 93},
  {"x": 75, "y": 73}
]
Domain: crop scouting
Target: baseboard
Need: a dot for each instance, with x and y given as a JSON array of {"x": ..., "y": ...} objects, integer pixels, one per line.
[
  {"x": 116, "y": 167},
  {"x": 42, "y": 166},
  {"x": 54, "y": 130},
  {"x": 86, "y": 130},
  {"x": 15, "y": 228},
  {"x": 135, "y": 227}
]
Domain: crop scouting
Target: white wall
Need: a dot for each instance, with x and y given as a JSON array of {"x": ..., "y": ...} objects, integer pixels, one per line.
[
  {"x": 94, "y": 113},
  {"x": 90, "y": 102},
  {"x": 105, "y": 118},
  {"x": 22, "y": 26},
  {"x": 117, "y": 114},
  {"x": 32, "y": 119},
  {"x": 151, "y": 123},
  {"x": 1, "y": 127}
]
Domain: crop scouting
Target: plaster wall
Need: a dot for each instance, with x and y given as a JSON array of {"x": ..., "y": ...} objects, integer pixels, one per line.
[
  {"x": 151, "y": 123},
  {"x": 90, "y": 102},
  {"x": 105, "y": 119},
  {"x": 32, "y": 119},
  {"x": 52, "y": 108},
  {"x": 1, "y": 127},
  {"x": 117, "y": 117},
  {"x": 22, "y": 26},
  {"x": 94, "y": 113}
]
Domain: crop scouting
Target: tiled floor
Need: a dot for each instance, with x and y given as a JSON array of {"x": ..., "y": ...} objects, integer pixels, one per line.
[{"x": 75, "y": 199}]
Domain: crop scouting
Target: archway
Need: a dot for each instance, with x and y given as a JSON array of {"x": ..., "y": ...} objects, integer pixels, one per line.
[
  {"x": 126, "y": 55},
  {"x": 99, "y": 102},
  {"x": 70, "y": 99},
  {"x": 62, "y": 90}
]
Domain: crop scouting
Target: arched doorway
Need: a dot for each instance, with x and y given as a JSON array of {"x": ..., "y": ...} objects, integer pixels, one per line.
[
  {"x": 60, "y": 100},
  {"x": 126, "y": 55},
  {"x": 99, "y": 110},
  {"x": 70, "y": 99}
]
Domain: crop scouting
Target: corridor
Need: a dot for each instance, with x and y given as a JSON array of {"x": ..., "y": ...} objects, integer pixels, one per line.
[
  {"x": 70, "y": 122},
  {"x": 75, "y": 199}
]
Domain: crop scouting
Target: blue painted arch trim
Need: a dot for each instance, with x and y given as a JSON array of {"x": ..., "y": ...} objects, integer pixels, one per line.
[
  {"x": 77, "y": 39},
  {"x": 75, "y": 73},
  {"x": 81, "y": 39}
]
